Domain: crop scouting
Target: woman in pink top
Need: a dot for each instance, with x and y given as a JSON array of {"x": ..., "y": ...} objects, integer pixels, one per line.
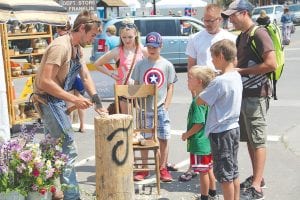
[{"x": 124, "y": 55}]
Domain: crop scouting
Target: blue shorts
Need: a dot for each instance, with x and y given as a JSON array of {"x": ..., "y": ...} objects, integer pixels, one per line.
[
  {"x": 163, "y": 124},
  {"x": 78, "y": 85}
]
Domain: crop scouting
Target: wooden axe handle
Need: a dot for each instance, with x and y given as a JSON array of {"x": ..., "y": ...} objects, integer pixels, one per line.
[{"x": 71, "y": 109}]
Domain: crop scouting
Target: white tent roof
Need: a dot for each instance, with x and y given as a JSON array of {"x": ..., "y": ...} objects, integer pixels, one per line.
[
  {"x": 149, "y": 5},
  {"x": 180, "y": 3},
  {"x": 133, "y": 3}
]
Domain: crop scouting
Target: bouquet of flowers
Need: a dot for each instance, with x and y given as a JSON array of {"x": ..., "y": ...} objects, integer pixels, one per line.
[{"x": 30, "y": 167}]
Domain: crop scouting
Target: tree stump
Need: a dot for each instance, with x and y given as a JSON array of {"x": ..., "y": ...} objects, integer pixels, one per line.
[{"x": 114, "y": 157}]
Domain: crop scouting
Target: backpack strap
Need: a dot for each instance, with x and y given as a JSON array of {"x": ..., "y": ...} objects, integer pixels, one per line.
[
  {"x": 252, "y": 43},
  {"x": 254, "y": 50}
]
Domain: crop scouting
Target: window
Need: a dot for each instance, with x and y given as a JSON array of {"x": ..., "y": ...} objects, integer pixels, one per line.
[
  {"x": 278, "y": 9},
  {"x": 163, "y": 27}
]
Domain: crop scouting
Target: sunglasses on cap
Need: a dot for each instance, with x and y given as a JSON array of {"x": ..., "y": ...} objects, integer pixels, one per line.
[{"x": 92, "y": 21}]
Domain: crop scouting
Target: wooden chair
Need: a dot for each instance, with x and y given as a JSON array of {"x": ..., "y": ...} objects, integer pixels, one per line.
[{"x": 136, "y": 97}]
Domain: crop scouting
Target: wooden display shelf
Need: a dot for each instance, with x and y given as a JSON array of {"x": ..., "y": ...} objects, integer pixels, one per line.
[
  {"x": 8, "y": 54},
  {"x": 26, "y": 54},
  {"x": 26, "y": 33},
  {"x": 27, "y": 119},
  {"x": 31, "y": 36},
  {"x": 19, "y": 101},
  {"x": 23, "y": 76}
]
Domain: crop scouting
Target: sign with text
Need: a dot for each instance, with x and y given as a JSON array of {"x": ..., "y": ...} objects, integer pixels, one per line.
[{"x": 76, "y": 6}]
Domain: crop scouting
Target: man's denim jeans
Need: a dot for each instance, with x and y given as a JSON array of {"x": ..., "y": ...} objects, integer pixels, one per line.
[{"x": 52, "y": 127}]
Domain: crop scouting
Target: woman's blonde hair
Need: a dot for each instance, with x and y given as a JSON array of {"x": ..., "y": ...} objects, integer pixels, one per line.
[
  {"x": 203, "y": 73},
  {"x": 127, "y": 24}
]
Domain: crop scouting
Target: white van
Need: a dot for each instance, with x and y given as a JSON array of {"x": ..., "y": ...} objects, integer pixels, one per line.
[{"x": 273, "y": 11}]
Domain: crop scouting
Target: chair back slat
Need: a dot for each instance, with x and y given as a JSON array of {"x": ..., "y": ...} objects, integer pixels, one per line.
[{"x": 136, "y": 98}]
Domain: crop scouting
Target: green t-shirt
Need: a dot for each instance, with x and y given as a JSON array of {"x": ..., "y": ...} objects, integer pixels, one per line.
[{"x": 198, "y": 144}]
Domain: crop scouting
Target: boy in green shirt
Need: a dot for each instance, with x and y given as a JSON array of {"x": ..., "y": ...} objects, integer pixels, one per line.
[{"x": 197, "y": 143}]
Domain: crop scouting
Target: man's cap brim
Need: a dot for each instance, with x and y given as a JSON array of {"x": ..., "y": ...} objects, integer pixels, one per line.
[{"x": 229, "y": 12}]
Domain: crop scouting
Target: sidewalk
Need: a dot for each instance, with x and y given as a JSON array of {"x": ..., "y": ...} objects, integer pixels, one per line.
[{"x": 144, "y": 190}]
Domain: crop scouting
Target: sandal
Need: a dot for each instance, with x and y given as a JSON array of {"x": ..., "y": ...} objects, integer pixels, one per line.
[{"x": 187, "y": 176}]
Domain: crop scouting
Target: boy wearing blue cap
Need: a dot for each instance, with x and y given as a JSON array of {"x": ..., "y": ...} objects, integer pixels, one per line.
[{"x": 157, "y": 70}]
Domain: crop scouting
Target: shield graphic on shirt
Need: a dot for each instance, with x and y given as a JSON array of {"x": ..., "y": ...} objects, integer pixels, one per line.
[{"x": 154, "y": 76}]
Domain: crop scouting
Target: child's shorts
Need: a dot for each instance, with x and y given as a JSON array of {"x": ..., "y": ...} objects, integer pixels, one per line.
[
  {"x": 163, "y": 124},
  {"x": 201, "y": 163}
]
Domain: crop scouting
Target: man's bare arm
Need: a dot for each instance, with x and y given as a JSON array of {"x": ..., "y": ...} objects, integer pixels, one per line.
[{"x": 268, "y": 65}]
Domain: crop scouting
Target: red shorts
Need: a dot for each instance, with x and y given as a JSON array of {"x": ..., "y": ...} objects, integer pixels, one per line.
[{"x": 201, "y": 163}]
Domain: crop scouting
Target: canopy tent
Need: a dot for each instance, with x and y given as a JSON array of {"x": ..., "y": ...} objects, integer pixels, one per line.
[
  {"x": 180, "y": 4},
  {"x": 111, "y": 3},
  {"x": 149, "y": 5},
  {"x": 133, "y": 4},
  {"x": 33, "y": 11}
]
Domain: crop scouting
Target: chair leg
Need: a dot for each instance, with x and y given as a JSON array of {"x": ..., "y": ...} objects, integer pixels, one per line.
[{"x": 157, "y": 171}]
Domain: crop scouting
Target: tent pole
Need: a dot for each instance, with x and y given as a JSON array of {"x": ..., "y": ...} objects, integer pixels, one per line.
[{"x": 154, "y": 7}]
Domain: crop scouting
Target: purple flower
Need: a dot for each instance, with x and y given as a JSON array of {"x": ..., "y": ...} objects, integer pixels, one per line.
[
  {"x": 49, "y": 173},
  {"x": 34, "y": 187},
  {"x": 3, "y": 169},
  {"x": 26, "y": 156},
  {"x": 39, "y": 165},
  {"x": 20, "y": 168},
  {"x": 14, "y": 145}
]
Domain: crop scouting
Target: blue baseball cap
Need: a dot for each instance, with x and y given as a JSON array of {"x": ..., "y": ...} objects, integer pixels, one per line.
[
  {"x": 153, "y": 39},
  {"x": 238, "y": 5}
]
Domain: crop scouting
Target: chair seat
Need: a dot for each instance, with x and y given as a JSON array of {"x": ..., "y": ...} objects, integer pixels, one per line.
[{"x": 150, "y": 145}]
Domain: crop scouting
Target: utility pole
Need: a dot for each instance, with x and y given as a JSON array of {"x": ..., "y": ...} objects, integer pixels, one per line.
[{"x": 154, "y": 7}]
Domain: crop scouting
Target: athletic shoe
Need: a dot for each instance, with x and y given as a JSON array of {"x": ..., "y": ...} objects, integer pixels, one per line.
[
  {"x": 165, "y": 176},
  {"x": 216, "y": 197},
  {"x": 248, "y": 183},
  {"x": 252, "y": 194},
  {"x": 139, "y": 176}
]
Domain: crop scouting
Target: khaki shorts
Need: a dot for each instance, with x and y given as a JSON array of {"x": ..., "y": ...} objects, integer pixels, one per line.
[{"x": 253, "y": 122}]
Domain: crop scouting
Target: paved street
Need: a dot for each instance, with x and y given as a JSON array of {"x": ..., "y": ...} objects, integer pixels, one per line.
[{"x": 283, "y": 157}]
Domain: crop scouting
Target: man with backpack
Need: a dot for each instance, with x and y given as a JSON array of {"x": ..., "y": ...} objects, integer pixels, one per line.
[{"x": 256, "y": 91}]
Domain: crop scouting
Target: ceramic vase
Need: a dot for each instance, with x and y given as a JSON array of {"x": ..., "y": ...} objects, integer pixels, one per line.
[
  {"x": 39, "y": 196},
  {"x": 11, "y": 196}
]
